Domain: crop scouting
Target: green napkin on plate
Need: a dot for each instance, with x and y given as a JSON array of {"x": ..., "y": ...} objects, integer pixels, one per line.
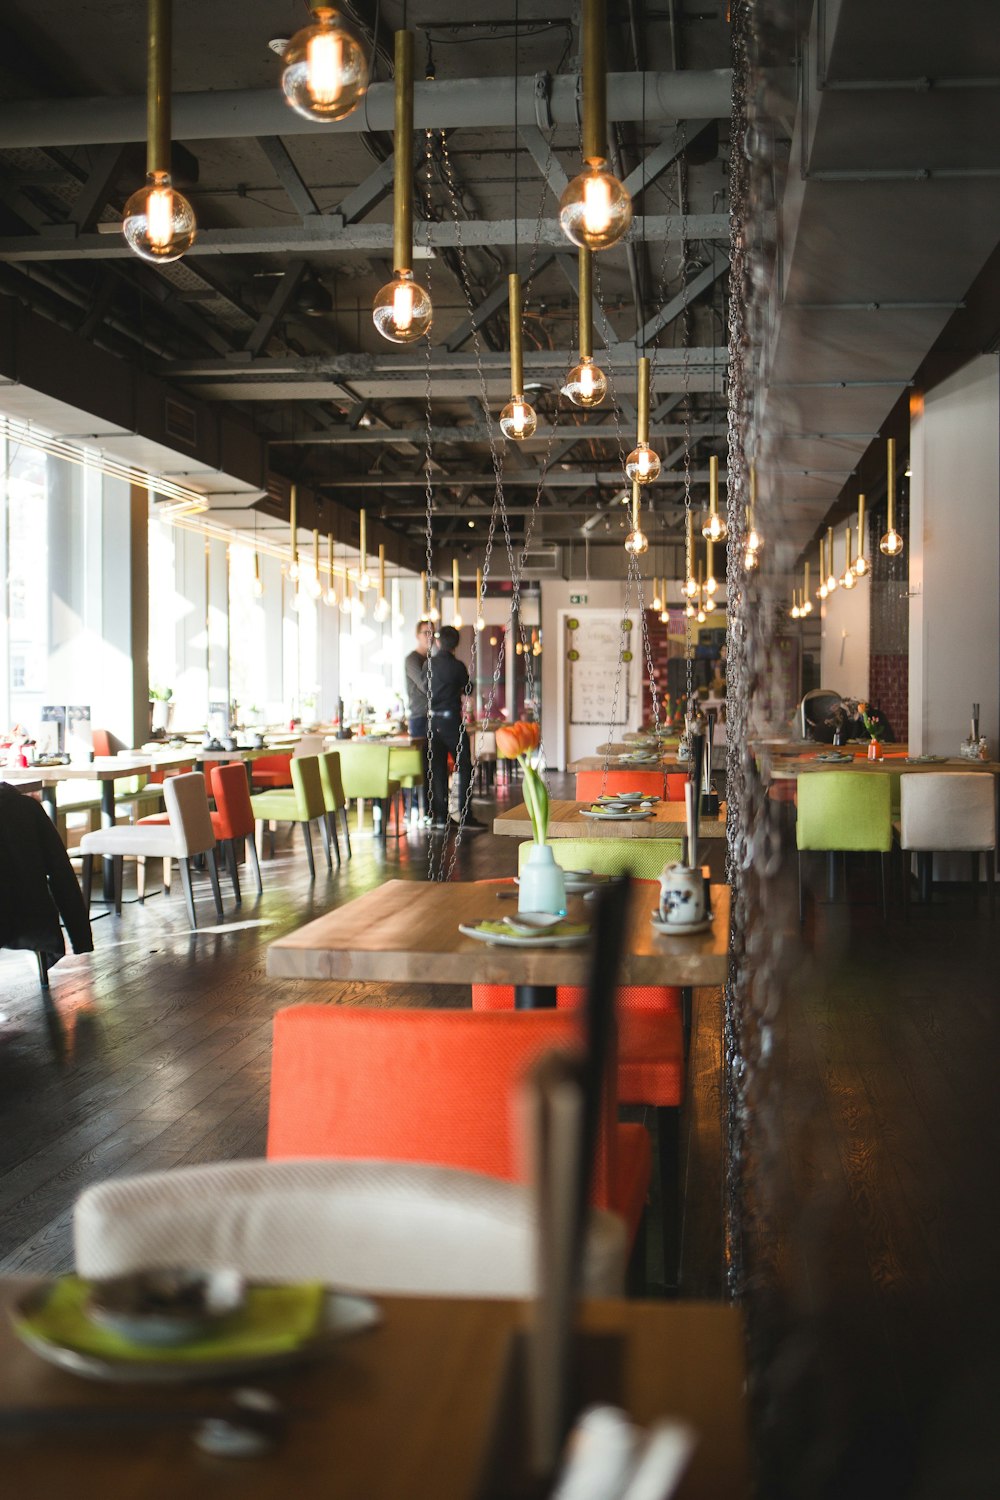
[
  {"x": 562, "y": 929},
  {"x": 275, "y": 1320}
]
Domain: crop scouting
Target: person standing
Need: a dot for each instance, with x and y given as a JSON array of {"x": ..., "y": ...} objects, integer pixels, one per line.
[
  {"x": 450, "y": 683},
  {"x": 415, "y": 667}
]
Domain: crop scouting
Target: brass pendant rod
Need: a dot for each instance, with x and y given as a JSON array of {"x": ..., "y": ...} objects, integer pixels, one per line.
[
  {"x": 595, "y": 81},
  {"x": 890, "y": 456},
  {"x": 642, "y": 403},
  {"x": 847, "y": 543},
  {"x": 329, "y": 554},
  {"x": 636, "y": 503},
  {"x": 293, "y": 524},
  {"x": 381, "y": 570},
  {"x": 158, "y": 87},
  {"x": 362, "y": 543},
  {"x": 454, "y": 582},
  {"x": 861, "y": 525},
  {"x": 316, "y": 552},
  {"x": 822, "y": 560},
  {"x": 516, "y": 345},
  {"x": 586, "y": 269},
  {"x": 806, "y": 595},
  {"x": 423, "y": 596},
  {"x": 829, "y": 548},
  {"x": 402, "y": 199},
  {"x": 713, "y": 486}
]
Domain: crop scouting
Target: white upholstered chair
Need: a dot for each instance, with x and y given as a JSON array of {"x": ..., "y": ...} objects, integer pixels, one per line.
[
  {"x": 310, "y": 744},
  {"x": 188, "y": 833},
  {"x": 375, "y": 1226},
  {"x": 948, "y": 812}
]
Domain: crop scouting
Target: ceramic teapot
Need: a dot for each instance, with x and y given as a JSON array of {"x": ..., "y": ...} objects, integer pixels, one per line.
[{"x": 682, "y": 896}]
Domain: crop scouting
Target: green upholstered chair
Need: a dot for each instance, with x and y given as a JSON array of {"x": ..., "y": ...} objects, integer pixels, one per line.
[
  {"x": 303, "y": 804},
  {"x": 334, "y": 798},
  {"x": 643, "y": 859},
  {"x": 406, "y": 765},
  {"x": 844, "y": 811},
  {"x": 364, "y": 770}
]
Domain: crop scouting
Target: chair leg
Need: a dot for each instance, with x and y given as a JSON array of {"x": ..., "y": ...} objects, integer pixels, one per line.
[
  {"x": 347, "y": 829},
  {"x": 975, "y": 881},
  {"x": 885, "y": 902},
  {"x": 905, "y": 864},
  {"x": 307, "y": 839},
  {"x": 668, "y": 1147},
  {"x": 802, "y": 898},
  {"x": 324, "y": 829},
  {"x": 140, "y": 877},
  {"x": 118, "y": 875},
  {"x": 87, "y": 879},
  {"x": 331, "y": 824},
  {"x": 990, "y": 879},
  {"x": 43, "y": 970},
  {"x": 168, "y": 875},
  {"x": 232, "y": 866},
  {"x": 687, "y": 1007},
  {"x": 252, "y": 846},
  {"x": 213, "y": 875},
  {"x": 185, "y": 865}
]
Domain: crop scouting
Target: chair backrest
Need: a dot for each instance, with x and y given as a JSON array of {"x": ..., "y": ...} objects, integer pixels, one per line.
[
  {"x": 643, "y": 859},
  {"x": 308, "y": 784},
  {"x": 813, "y": 712},
  {"x": 844, "y": 810},
  {"x": 309, "y": 744},
  {"x": 274, "y": 763},
  {"x": 333, "y": 786},
  {"x": 406, "y": 764},
  {"x": 382, "y": 1227},
  {"x": 947, "y": 810},
  {"x": 415, "y": 1085},
  {"x": 591, "y": 784},
  {"x": 364, "y": 770},
  {"x": 232, "y": 800},
  {"x": 187, "y": 808}
]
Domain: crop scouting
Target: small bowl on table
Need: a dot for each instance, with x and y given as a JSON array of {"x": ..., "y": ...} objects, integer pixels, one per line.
[{"x": 168, "y": 1307}]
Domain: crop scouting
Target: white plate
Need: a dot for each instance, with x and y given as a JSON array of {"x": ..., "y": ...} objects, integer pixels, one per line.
[
  {"x": 627, "y": 797},
  {"x": 512, "y": 940},
  {"x": 341, "y": 1315},
  {"x": 527, "y": 923},
  {"x": 673, "y": 929},
  {"x": 618, "y": 817}
]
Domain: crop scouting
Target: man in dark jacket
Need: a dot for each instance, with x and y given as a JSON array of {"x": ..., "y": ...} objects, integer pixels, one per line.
[
  {"x": 37, "y": 882},
  {"x": 450, "y": 683}
]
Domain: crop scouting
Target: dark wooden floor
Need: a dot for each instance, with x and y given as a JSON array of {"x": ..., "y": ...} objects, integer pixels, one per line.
[{"x": 155, "y": 1050}]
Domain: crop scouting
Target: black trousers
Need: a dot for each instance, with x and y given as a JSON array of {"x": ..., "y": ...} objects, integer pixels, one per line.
[{"x": 444, "y": 741}]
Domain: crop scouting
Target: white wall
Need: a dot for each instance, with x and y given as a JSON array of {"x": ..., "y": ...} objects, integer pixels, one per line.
[
  {"x": 955, "y": 560},
  {"x": 845, "y": 631}
]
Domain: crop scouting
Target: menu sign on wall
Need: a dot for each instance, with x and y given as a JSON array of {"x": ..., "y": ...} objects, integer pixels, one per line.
[{"x": 598, "y": 652}]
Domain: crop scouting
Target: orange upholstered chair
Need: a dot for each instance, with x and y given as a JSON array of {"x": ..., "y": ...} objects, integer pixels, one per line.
[
  {"x": 233, "y": 818},
  {"x": 591, "y": 784},
  {"x": 430, "y": 1086},
  {"x": 271, "y": 771}
]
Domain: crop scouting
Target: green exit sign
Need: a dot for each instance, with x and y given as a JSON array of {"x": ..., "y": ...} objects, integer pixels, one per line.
[{"x": 577, "y": 598}]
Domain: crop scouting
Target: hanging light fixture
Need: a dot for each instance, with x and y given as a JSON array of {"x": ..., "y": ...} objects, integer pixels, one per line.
[
  {"x": 518, "y": 419},
  {"x": 806, "y": 606},
  {"x": 325, "y": 72},
  {"x": 643, "y": 464},
  {"x": 423, "y": 597},
  {"x": 456, "y": 613},
  {"x": 364, "y": 578},
  {"x": 831, "y": 577},
  {"x": 433, "y": 613},
  {"x": 714, "y": 529},
  {"x": 314, "y": 585},
  {"x": 381, "y": 610},
  {"x": 657, "y": 600},
  {"x": 892, "y": 543},
  {"x": 345, "y": 598},
  {"x": 795, "y": 611},
  {"x": 158, "y": 221},
  {"x": 710, "y": 583},
  {"x": 848, "y": 578},
  {"x": 258, "y": 582},
  {"x": 480, "y": 619},
  {"x": 595, "y": 209},
  {"x": 293, "y": 534},
  {"x": 690, "y": 582},
  {"x": 754, "y": 539},
  {"x": 861, "y": 562},
  {"x": 586, "y": 384},
  {"x": 402, "y": 310},
  {"x": 330, "y": 597},
  {"x": 822, "y": 591},
  {"x": 637, "y": 542}
]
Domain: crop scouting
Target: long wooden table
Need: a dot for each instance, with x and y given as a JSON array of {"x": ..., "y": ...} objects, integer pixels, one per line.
[
  {"x": 566, "y": 822},
  {"x": 792, "y": 769},
  {"x": 404, "y": 1410},
  {"x": 405, "y": 930}
]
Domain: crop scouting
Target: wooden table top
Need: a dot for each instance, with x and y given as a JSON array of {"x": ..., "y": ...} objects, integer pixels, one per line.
[
  {"x": 566, "y": 822},
  {"x": 791, "y": 770},
  {"x": 404, "y": 1410},
  {"x": 407, "y": 930},
  {"x": 21, "y": 780},
  {"x": 102, "y": 768}
]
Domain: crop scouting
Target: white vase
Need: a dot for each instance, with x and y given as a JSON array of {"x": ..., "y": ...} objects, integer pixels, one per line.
[{"x": 542, "y": 884}]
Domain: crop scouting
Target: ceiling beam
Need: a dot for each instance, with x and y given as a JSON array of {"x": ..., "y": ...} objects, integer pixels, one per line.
[
  {"x": 94, "y": 193},
  {"x": 495, "y": 298},
  {"x": 367, "y": 195},
  {"x": 559, "y": 480},
  {"x": 474, "y": 433},
  {"x": 322, "y": 234},
  {"x": 359, "y": 366},
  {"x": 288, "y": 175},
  {"x": 277, "y": 306},
  {"x": 481, "y": 103},
  {"x": 673, "y": 309}
]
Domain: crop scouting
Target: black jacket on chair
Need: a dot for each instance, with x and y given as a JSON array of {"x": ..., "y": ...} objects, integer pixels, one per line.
[{"x": 37, "y": 882}]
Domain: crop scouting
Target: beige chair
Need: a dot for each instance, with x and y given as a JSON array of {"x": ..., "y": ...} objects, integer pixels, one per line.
[
  {"x": 188, "y": 833},
  {"x": 947, "y": 812},
  {"x": 376, "y": 1226}
]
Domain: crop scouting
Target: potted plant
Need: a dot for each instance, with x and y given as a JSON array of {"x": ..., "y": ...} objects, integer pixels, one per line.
[
  {"x": 875, "y": 724},
  {"x": 162, "y": 708}
]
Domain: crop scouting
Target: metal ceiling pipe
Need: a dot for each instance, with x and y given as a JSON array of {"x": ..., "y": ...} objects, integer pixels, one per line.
[{"x": 480, "y": 103}]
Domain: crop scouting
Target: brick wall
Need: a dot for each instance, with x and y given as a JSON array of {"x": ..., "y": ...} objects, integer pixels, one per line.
[{"x": 888, "y": 687}]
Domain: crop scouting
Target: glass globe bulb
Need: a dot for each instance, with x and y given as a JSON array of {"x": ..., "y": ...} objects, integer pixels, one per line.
[
  {"x": 710, "y": 585},
  {"x": 643, "y": 464},
  {"x": 891, "y": 544},
  {"x": 714, "y": 529},
  {"x": 691, "y": 587},
  {"x": 258, "y": 588},
  {"x": 637, "y": 542},
  {"x": 330, "y": 597},
  {"x": 708, "y": 604},
  {"x": 750, "y": 560},
  {"x": 807, "y": 608},
  {"x": 364, "y": 580},
  {"x": 433, "y": 614},
  {"x": 518, "y": 419},
  {"x": 457, "y": 621},
  {"x": 595, "y": 209},
  {"x": 823, "y": 591},
  {"x": 325, "y": 71},
  {"x": 345, "y": 605},
  {"x": 753, "y": 540},
  {"x": 831, "y": 583},
  {"x": 293, "y": 571},
  {"x": 795, "y": 611},
  {"x": 656, "y": 603},
  {"x": 700, "y": 617},
  {"x": 381, "y": 611},
  {"x": 314, "y": 586},
  {"x": 586, "y": 385},
  {"x": 480, "y": 623},
  {"x": 158, "y": 222},
  {"x": 297, "y": 600},
  {"x": 664, "y": 617},
  {"x": 861, "y": 565},
  {"x": 402, "y": 310},
  {"x": 689, "y": 610},
  {"x": 849, "y": 579}
]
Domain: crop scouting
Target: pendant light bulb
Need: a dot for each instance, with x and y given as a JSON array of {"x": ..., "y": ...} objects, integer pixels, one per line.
[
  {"x": 345, "y": 598},
  {"x": 753, "y": 540},
  {"x": 689, "y": 610},
  {"x": 657, "y": 600},
  {"x": 402, "y": 310},
  {"x": 643, "y": 464},
  {"x": 700, "y": 616},
  {"x": 325, "y": 71},
  {"x": 595, "y": 209},
  {"x": 586, "y": 384},
  {"x": 891, "y": 544},
  {"x": 518, "y": 420},
  {"x": 714, "y": 529},
  {"x": 750, "y": 559},
  {"x": 794, "y": 610},
  {"x": 708, "y": 603},
  {"x": 381, "y": 611},
  {"x": 664, "y": 616},
  {"x": 159, "y": 222},
  {"x": 831, "y": 577},
  {"x": 637, "y": 542},
  {"x": 433, "y": 613}
]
